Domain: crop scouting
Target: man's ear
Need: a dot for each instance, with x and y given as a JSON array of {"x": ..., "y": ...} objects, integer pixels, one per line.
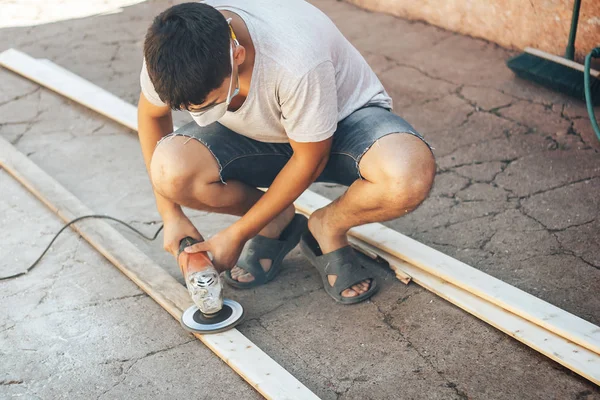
[{"x": 239, "y": 54}]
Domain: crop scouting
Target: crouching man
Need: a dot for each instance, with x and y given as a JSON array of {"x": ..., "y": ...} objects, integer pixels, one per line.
[{"x": 280, "y": 99}]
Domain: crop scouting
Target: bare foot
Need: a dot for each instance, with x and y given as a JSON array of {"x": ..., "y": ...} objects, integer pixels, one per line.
[
  {"x": 329, "y": 241},
  {"x": 273, "y": 230}
]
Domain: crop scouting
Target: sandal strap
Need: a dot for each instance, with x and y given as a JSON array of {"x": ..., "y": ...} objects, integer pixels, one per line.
[
  {"x": 256, "y": 249},
  {"x": 345, "y": 264}
]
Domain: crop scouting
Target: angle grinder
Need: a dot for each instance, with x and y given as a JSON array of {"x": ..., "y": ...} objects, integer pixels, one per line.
[{"x": 210, "y": 312}]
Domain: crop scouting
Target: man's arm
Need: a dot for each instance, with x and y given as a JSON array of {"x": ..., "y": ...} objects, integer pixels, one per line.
[
  {"x": 309, "y": 115},
  {"x": 154, "y": 123},
  {"x": 303, "y": 168}
]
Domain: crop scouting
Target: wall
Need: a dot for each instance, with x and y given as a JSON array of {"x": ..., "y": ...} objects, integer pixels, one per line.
[{"x": 543, "y": 24}]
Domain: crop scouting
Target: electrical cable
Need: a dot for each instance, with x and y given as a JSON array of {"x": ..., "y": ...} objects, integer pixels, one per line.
[{"x": 71, "y": 223}]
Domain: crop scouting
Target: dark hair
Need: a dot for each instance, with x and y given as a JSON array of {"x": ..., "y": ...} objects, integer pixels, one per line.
[{"x": 187, "y": 53}]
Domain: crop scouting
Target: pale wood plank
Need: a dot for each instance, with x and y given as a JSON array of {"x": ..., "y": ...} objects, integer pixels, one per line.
[
  {"x": 470, "y": 279},
  {"x": 578, "y": 359},
  {"x": 70, "y": 86},
  {"x": 243, "y": 356}
]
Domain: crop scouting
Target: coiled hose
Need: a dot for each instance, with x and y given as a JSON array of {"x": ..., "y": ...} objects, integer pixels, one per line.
[{"x": 586, "y": 85}]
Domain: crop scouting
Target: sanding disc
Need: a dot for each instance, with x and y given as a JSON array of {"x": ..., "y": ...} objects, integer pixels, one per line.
[{"x": 230, "y": 315}]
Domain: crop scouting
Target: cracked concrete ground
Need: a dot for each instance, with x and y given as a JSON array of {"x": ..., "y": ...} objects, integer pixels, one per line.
[{"x": 516, "y": 195}]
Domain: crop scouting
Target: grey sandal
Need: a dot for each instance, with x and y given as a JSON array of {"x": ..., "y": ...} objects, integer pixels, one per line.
[
  {"x": 261, "y": 247},
  {"x": 345, "y": 264}
]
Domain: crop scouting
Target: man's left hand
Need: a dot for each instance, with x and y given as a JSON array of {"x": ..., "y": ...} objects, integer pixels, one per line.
[{"x": 225, "y": 247}]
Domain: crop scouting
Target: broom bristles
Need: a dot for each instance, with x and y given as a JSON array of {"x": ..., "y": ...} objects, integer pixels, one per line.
[{"x": 553, "y": 75}]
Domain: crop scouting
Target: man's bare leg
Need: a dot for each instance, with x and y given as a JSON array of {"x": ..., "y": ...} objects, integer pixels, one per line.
[
  {"x": 185, "y": 172},
  {"x": 398, "y": 173}
]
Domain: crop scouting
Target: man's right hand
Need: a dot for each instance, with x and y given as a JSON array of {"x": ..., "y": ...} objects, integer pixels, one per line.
[{"x": 177, "y": 227}]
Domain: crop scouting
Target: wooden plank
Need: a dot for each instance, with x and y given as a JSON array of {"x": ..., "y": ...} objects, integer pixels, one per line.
[
  {"x": 578, "y": 359},
  {"x": 243, "y": 356},
  {"x": 70, "y": 86},
  {"x": 470, "y": 279},
  {"x": 401, "y": 274},
  {"x": 366, "y": 250},
  {"x": 436, "y": 263}
]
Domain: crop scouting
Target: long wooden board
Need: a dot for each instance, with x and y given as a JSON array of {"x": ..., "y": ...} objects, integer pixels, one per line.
[
  {"x": 384, "y": 239},
  {"x": 578, "y": 359},
  {"x": 250, "y": 362},
  {"x": 472, "y": 280}
]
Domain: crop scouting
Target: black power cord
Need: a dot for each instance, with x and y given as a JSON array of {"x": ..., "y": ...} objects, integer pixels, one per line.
[{"x": 71, "y": 223}]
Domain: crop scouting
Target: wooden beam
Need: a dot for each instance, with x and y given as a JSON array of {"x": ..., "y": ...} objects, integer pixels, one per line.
[
  {"x": 367, "y": 250},
  {"x": 578, "y": 359},
  {"x": 470, "y": 279},
  {"x": 244, "y": 357}
]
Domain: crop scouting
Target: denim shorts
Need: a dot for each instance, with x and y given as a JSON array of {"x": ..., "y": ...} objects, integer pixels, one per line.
[{"x": 258, "y": 163}]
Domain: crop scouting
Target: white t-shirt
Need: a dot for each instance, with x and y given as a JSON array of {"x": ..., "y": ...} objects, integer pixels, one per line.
[{"x": 306, "y": 75}]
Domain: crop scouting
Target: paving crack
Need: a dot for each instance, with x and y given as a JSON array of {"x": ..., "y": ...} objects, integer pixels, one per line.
[
  {"x": 353, "y": 381},
  {"x": 284, "y": 302},
  {"x": 11, "y": 382},
  {"x": 288, "y": 348},
  {"x": 589, "y": 178},
  {"x": 166, "y": 349},
  {"x": 16, "y": 140},
  {"x": 57, "y": 275},
  {"x": 571, "y": 130},
  {"x": 135, "y": 361},
  {"x": 554, "y": 233},
  {"x": 405, "y": 65},
  {"x": 459, "y": 84},
  {"x": 571, "y": 226},
  {"x": 98, "y": 128},
  {"x": 8, "y": 329},
  {"x": 153, "y": 222},
  {"x": 565, "y": 251},
  {"x": 55, "y": 278},
  {"x": 90, "y": 305},
  {"x": 387, "y": 320},
  {"x": 486, "y": 241},
  {"x": 451, "y": 224},
  {"x": 21, "y": 96}
]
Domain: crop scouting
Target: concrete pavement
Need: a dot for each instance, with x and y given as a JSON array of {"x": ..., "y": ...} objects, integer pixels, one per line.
[{"x": 516, "y": 195}]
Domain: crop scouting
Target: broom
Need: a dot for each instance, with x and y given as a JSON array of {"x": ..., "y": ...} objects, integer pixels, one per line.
[{"x": 558, "y": 73}]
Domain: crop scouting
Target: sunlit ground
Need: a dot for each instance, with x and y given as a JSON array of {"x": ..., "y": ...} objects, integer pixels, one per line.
[{"x": 36, "y": 12}]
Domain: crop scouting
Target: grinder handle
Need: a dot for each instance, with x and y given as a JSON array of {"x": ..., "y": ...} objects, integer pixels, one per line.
[
  {"x": 193, "y": 262},
  {"x": 186, "y": 242}
]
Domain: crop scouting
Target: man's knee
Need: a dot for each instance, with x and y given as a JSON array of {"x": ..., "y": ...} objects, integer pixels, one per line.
[
  {"x": 181, "y": 165},
  {"x": 405, "y": 166}
]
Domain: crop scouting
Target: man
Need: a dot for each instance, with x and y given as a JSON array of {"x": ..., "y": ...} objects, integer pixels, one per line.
[{"x": 295, "y": 103}]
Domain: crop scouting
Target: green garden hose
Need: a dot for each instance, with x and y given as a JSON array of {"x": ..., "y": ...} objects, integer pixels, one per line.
[{"x": 588, "y": 95}]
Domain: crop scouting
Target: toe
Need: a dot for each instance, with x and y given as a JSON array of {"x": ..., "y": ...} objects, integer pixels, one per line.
[
  {"x": 358, "y": 288},
  {"x": 349, "y": 293},
  {"x": 235, "y": 272},
  {"x": 245, "y": 278},
  {"x": 362, "y": 287}
]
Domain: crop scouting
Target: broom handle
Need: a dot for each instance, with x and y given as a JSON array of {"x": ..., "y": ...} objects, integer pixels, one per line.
[{"x": 570, "y": 51}]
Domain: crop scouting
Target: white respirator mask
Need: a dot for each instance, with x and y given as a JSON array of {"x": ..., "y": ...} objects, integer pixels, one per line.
[{"x": 216, "y": 111}]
